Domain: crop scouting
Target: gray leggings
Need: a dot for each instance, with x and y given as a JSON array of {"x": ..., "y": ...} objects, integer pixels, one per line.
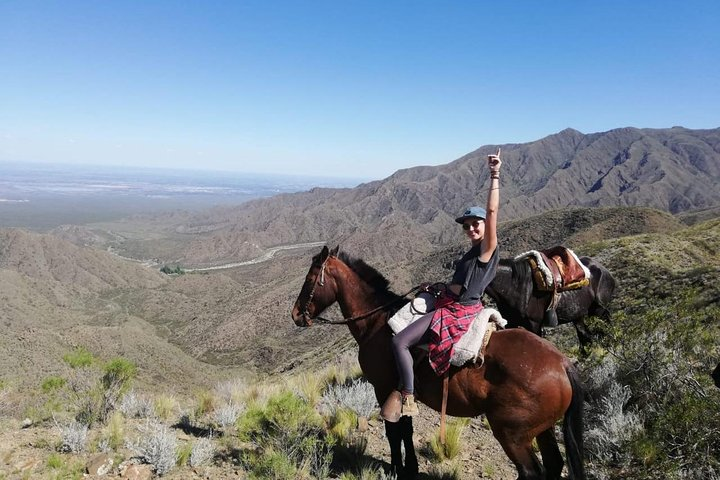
[{"x": 413, "y": 334}]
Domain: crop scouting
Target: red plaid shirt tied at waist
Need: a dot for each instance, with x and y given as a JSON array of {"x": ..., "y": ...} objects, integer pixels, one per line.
[{"x": 450, "y": 321}]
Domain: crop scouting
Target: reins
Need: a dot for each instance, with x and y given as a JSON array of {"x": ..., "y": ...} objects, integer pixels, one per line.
[
  {"x": 320, "y": 280},
  {"x": 326, "y": 321}
]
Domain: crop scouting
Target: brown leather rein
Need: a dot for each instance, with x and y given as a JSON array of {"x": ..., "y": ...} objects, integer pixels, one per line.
[{"x": 320, "y": 280}]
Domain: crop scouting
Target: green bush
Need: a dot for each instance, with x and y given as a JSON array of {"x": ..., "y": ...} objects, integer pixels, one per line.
[
  {"x": 52, "y": 384},
  {"x": 284, "y": 412},
  {"x": 273, "y": 465},
  {"x": 176, "y": 270},
  {"x": 120, "y": 372},
  {"x": 183, "y": 454},
  {"x": 292, "y": 440},
  {"x": 79, "y": 357},
  {"x": 342, "y": 423},
  {"x": 453, "y": 444}
]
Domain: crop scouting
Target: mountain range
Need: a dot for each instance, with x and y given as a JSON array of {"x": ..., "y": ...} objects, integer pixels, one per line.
[
  {"x": 64, "y": 288},
  {"x": 674, "y": 170}
]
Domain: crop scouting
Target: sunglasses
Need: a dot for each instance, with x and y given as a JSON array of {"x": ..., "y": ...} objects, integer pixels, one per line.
[{"x": 475, "y": 224}]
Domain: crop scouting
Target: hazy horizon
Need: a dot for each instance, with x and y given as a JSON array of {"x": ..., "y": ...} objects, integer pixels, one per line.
[{"x": 44, "y": 196}]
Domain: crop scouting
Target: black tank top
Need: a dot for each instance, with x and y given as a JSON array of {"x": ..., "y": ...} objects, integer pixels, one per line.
[{"x": 474, "y": 275}]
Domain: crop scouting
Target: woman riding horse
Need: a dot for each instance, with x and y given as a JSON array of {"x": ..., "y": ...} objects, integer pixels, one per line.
[
  {"x": 442, "y": 322},
  {"x": 524, "y": 386}
]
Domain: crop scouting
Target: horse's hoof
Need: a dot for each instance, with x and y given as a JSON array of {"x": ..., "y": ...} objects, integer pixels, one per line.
[{"x": 411, "y": 473}]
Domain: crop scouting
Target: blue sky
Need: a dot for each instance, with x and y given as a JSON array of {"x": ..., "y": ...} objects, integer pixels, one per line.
[{"x": 341, "y": 88}]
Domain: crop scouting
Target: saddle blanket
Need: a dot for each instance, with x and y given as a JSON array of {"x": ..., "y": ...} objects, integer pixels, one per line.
[{"x": 467, "y": 348}]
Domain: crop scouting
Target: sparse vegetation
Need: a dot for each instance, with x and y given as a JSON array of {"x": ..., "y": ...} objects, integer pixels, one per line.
[
  {"x": 114, "y": 433},
  {"x": 226, "y": 415},
  {"x": 63, "y": 468},
  {"x": 183, "y": 454},
  {"x": 651, "y": 411},
  {"x": 4, "y": 397},
  {"x": 231, "y": 391},
  {"x": 52, "y": 384},
  {"x": 205, "y": 402},
  {"x": 446, "y": 471},
  {"x": 309, "y": 387}
]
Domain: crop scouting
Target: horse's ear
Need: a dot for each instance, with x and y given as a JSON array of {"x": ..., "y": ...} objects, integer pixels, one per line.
[
  {"x": 335, "y": 251},
  {"x": 324, "y": 253}
]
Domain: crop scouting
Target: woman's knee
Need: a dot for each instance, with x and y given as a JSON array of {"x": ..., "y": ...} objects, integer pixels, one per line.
[{"x": 399, "y": 344}]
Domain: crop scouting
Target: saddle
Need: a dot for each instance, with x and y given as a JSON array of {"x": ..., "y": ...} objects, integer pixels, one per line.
[{"x": 555, "y": 270}]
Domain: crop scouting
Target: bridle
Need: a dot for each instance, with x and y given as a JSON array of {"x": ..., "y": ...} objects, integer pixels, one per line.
[
  {"x": 320, "y": 280},
  {"x": 321, "y": 277}
]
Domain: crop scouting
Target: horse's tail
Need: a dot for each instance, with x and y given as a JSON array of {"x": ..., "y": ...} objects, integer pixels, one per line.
[{"x": 573, "y": 426}]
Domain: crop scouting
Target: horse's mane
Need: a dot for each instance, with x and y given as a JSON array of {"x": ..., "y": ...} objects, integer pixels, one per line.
[{"x": 371, "y": 276}]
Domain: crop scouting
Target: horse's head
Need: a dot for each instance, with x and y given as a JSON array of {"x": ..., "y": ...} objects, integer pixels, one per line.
[{"x": 319, "y": 290}]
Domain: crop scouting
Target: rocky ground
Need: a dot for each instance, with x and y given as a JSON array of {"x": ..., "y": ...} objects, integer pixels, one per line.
[{"x": 30, "y": 452}]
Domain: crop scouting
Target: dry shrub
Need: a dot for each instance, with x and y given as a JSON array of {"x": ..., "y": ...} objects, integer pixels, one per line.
[
  {"x": 165, "y": 407},
  {"x": 231, "y": 391},
  {"x": 73, "y": 436},
  {"x": 157, "y": 446},
  {"x": 202, "y": 452}
]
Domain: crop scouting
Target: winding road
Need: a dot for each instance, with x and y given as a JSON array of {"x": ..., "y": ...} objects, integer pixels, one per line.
[{"x": 269, "y": 253}]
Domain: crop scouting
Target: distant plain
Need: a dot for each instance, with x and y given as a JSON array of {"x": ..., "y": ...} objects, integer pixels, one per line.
[{"x": 41, "y": 197}]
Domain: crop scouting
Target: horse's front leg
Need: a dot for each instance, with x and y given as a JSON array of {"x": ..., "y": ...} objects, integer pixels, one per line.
[
  {"x": 394, "y": 435},
  {"x": 585, "y": 336},
  {"x": 411, "y": 463}
]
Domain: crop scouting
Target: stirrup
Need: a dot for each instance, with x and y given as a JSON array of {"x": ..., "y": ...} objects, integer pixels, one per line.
[{"x": 409, "y": 406}]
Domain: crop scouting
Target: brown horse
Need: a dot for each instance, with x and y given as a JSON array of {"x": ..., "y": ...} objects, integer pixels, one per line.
[
  {"x": 522, "y": 305},
  {"x": 524, "y": 386}
]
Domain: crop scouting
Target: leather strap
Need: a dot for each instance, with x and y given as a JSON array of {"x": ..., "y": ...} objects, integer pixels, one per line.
[{"x": 443, "y": 408}]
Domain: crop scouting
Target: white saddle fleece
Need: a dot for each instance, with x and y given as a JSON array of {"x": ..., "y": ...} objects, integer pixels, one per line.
[{"x": 467, "y": 348}]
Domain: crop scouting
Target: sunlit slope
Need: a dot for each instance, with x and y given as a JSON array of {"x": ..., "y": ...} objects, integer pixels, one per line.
[
  {"x": 673, "y": 170},
  {"x": 56, "y": 296}
]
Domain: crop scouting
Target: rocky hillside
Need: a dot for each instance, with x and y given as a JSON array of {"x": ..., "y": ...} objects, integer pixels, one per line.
[
  {"x": 240, "y": 316},
  {"x": 55, "y": 295},
  {"x": 673, "y": 170}
]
